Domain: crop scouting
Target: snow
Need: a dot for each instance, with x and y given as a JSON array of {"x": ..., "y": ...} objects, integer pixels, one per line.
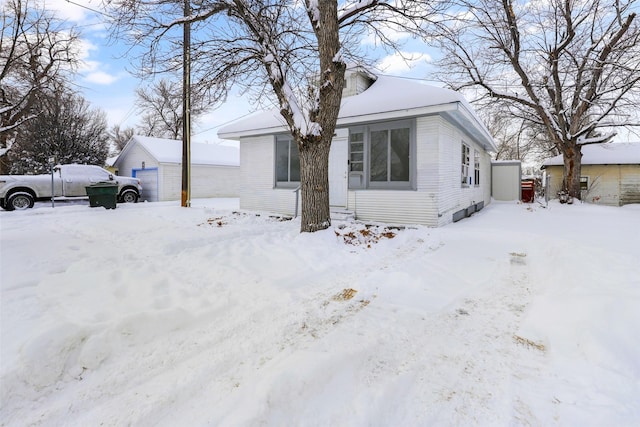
[
  {"x": 613, "y": 153},
  {"x": 387, "y": 94},
  {"x": 388, "y": 98},
  {"x": 170, "y": 151},
  {"x": 153, "y": 314}
]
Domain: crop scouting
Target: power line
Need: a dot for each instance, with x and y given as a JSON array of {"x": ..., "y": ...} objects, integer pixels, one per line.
[
  {"x": 88, "y": 8},
  {"x": 224, "y": 124}
]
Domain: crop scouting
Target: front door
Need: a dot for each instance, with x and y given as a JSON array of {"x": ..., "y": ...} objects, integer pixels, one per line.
[{"x": 338, "y": 171}]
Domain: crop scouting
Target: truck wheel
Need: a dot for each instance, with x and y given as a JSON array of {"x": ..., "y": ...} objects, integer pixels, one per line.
[
  {"x": 19, "y": 201},
  {"x": 129, "y": 196}
]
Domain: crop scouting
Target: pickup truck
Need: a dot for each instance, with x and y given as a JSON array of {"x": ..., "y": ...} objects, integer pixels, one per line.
[{"x": 69, "y": 181}]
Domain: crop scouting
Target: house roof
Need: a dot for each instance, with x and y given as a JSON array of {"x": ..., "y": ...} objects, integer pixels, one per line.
[
  {"x": 170, "y": 151},
  {"x": 612, "y": 153},
  {"x": 388, "y": 98}
]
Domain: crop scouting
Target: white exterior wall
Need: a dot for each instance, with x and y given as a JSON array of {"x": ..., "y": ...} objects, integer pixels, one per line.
[
  {"x": 169, "y": 182},
  {"x": 452, "y": 195},
  {"x": 506, "y": 180},
  {"x": 134, "y": 159},
  {"x": 406, "y": 206},
  {"x": 438, "y": 193},
  {"x": 257, "y": 178},
  {"x": 206, "y": 181}
]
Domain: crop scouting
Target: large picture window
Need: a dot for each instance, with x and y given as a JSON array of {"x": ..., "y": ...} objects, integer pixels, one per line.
[
  {"x": 287, "y": 162},
  {"x": 380, "y": 155}
]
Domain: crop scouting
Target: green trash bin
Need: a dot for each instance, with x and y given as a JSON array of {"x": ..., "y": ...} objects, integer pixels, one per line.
[{"x": 103, "y": 194}]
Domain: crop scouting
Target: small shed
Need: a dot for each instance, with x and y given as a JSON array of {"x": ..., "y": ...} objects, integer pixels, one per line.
[
  {"x": 610, "y": 173},
  {"x": 505, "y": 180},
  {"x": 215, "y": 169}
]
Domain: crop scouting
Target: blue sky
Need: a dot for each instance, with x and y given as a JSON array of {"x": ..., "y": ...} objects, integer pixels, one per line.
[{"x": 106, "y": 82}]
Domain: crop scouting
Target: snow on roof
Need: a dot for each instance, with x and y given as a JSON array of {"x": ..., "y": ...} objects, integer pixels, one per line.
[
  {"x": 388, "y": 97},
  {"x": 612, "y": 153},
  {"x": 170, "y": 151}
]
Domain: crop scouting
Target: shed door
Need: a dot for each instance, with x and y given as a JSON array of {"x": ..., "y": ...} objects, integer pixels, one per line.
[
  {"x": 338, "y": 172},
  {"x": 149, "y": 180}
]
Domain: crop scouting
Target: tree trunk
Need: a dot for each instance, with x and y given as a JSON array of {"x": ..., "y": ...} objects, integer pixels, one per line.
[
  {"x": 4, "y": 159},
  {"x": 572, "y": 167},
  {"x": 314, "y": 185}
]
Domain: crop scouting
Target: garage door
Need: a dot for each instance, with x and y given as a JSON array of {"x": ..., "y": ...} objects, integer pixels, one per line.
[{"x": 149, "y": 180}]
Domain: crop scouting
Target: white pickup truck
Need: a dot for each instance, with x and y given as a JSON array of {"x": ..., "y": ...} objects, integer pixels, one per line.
[{"x": 69, "y": 181}]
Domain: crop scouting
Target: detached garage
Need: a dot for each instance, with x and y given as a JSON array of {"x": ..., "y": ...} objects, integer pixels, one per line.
[
  {"x": 610, "y": 173},
  {"x": 215, "y": 169}
]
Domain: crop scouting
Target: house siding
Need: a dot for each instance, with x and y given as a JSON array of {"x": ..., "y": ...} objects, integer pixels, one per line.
[
  {"x": 452, "y": 196},
  {"x": 436, "y": 196},
  {"x": 629, "y": 184},
  {"x": 134, "y": 160},
  {"x": 207, "y": 181},
  {"x": 170, "y": 182},
  {"x": 257, "y": 179},
  {"x": 611, "y": 185},
  {"x": 389, "y": 206}
]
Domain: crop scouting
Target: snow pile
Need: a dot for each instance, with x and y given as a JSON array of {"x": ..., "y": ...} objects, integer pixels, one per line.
[{"x": 152, "y": 314}]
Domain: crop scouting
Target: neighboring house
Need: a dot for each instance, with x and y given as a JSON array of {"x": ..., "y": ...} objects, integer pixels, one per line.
[
  {"x": 403, "y": 153},
  {"x": 610, "y": 173},
  {"x": 215, "y": 170}
]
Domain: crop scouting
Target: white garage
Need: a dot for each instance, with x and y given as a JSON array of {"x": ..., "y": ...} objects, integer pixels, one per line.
[{"x": 215, "y": 169}]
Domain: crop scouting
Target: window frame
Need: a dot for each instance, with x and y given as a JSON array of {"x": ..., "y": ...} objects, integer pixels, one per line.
[
  {"x": 476, "y": 168},
  {"x": 289, "y": 183},
  {"x": 465, "y": 162},
  {"x": 584, "y": 180},
  {"x": 362, "y": 180}
]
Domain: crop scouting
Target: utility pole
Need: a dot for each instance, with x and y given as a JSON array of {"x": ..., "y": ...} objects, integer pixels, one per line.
[{"x": 186, "y": 109}]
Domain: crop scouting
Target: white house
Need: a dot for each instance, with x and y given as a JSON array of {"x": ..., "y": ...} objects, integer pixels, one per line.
[
  {"x": 403, "y": 153},
  {"x": 215, "y": 169},
  {"x": 610, "y": 173}
]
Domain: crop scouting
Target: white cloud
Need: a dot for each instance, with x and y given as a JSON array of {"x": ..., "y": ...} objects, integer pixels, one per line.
[
  {"x": 403, "y": 62},
  {"x": 101, "y": 78},
  {"x": 93, "y": 71},
  {"x": 70, "y": 11}
]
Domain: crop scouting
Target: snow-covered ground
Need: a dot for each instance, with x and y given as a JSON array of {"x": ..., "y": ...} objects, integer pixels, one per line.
[{"x": 153, "y": 314}]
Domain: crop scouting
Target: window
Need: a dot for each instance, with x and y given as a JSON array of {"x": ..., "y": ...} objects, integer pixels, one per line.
[
  {"x": 476, "y": 167},
  {"x": 465, "y": 165},
  {"x": 380, "y": 155},
  {"x": 584, "y": 183},
  {"x": 287, "y": 162},
  {"x": 356, "y": 152}
]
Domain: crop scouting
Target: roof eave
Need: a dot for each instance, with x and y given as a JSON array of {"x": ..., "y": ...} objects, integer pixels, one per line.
[
  {"x": 454, "y": 111},
  {"x": 465, "y": 119}
]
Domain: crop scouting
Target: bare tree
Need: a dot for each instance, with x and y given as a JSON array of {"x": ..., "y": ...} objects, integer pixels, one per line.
[
  {"x": 119, "y": 137},
  {"x": 162, "y": 109},
  {"x": 36, "y": 52},
  {"x": 293, "y": 49},
  {"x": 517, "y": 138},
  {"x": 569, "y": 67},
  {"x": 67, "y": 129}
]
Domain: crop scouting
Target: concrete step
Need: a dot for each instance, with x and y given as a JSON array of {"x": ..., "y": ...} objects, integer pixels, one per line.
[{"x": 342, "y": 215}]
